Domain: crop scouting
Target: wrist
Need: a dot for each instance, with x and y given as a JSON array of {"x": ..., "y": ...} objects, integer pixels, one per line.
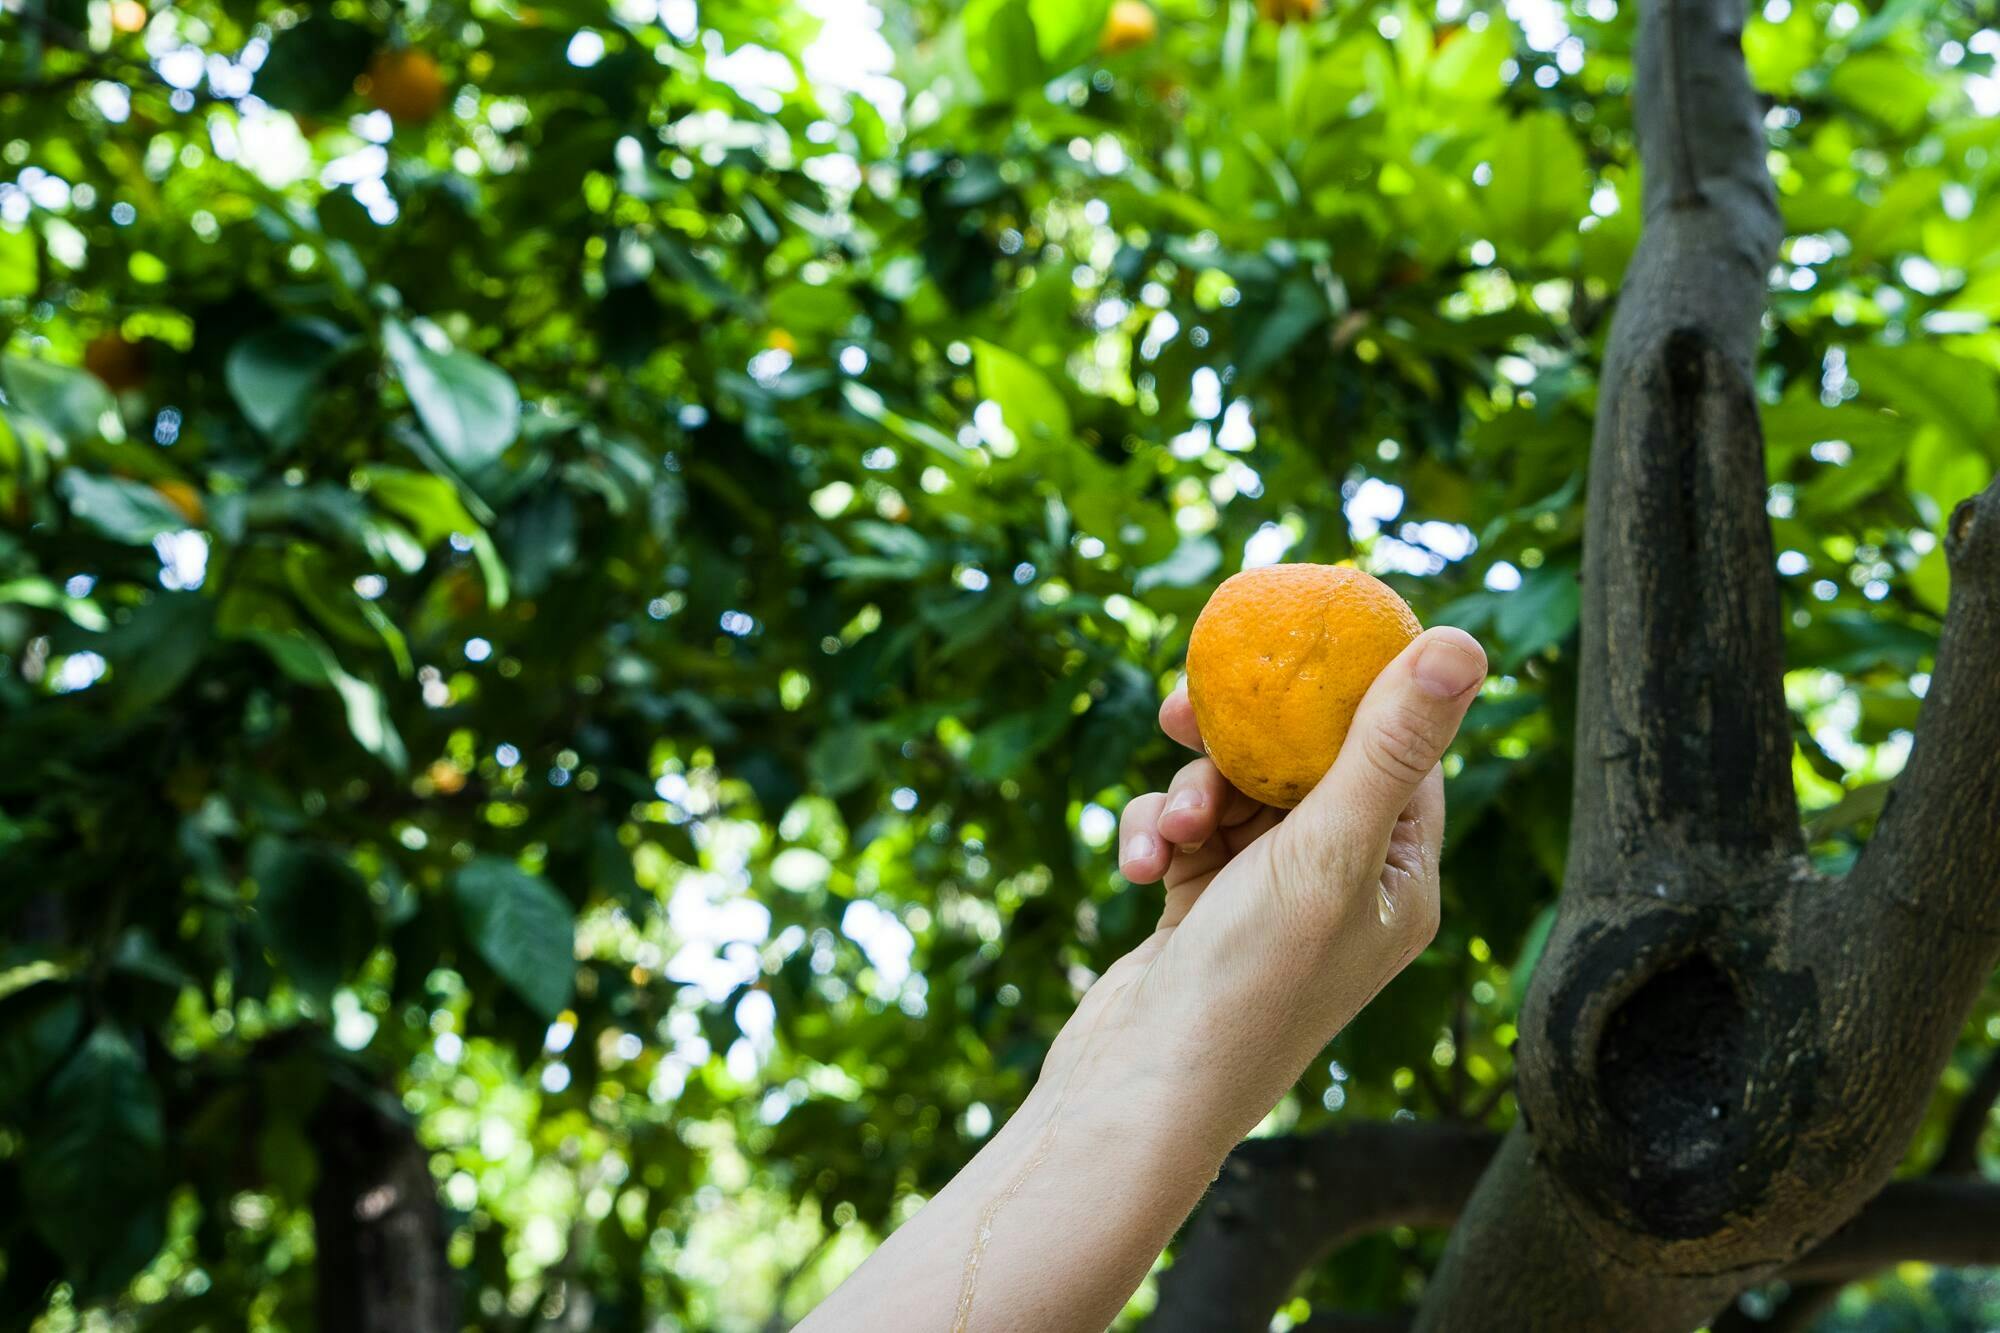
[{"x": 1144, "y": 1090}]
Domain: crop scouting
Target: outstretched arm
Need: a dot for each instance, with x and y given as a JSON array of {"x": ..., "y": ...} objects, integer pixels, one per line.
[{"x": 1278, "y": 927}]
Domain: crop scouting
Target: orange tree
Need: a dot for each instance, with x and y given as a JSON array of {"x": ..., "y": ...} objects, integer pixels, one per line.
[{"x": 579, "y": 582}]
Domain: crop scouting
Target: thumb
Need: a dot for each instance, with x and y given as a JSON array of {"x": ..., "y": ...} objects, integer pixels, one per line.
[{"x": 1403, "y": 727}]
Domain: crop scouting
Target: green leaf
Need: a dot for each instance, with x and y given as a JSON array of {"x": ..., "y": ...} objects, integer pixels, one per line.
[
  {"x": 1851, "y": 642},
  {"x": 1798, "y": 422},
  {"x": 1777, "y": 53},
  {"x": 1191, "y": 562},
  {"x": 1002, "y": 47},
  {"x": 1930, "y": 581},
  {"x": 123, "y": 511},
  {"x": 1032, "y": 407},
  {"x": 1540, "y": 185},
  {"x": 1929, "y": 384},
  {"x": 1067, "y": 31},
  {"x": 999, "y": 751},
  {"x": 539, "y": 539},
  {"x": 70, "y": 401},
  {"x": 1268, "y": 331},
  {"x": 1891, "y": 88},
  {"x": 1837, "y": 488},
  {"x": 469, "y": 406},
  {"x": 1117, "y": 726},
  {"x": 843, "y": 758},
  {"x": 1467, "y": 67},
  {"x": 305, "y": 657},
  {"x": 522, "y": 928},
  {"x": 368, "y": 719},
  {"x": 1542, "y": 611},
  {"x": 157, "y": 648},
  {"x": 432, "y": 506},
  {"x": 272, "y": 374},
  {"x": 99, "y": 1139},
  {"x": 82, "y": 611},
  {"x": 311, "y": 68},
  {"x": 14, "y": 980},
  {"x": 312, "y": 907},
  {"x": 36, "y": 1032},
  {"x": 428, "y": 503},
  {"x": 20, "y": 263}
]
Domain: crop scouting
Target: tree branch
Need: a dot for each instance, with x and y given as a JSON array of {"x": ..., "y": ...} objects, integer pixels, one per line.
[
  {"x": 1937, "y": 845},
  {"x": 377, "y": 1226},
  {"x": 1682, "y": 729},
  {"x": 1281, "y": 1205},
  {"x": 1948, "y": 1222},
  {"x": 1806, "y": 1301},
  {"x": 1655, "y": 1072}
]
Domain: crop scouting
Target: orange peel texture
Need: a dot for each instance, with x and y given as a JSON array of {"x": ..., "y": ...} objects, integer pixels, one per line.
[{"x": 1277, "y": 664}]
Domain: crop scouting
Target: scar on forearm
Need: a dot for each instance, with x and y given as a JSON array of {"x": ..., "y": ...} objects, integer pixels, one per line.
[{"x": 968, "y": 1283}]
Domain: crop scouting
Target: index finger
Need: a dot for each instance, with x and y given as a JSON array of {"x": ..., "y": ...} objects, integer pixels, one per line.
[{"x": 1177, "y": 719}]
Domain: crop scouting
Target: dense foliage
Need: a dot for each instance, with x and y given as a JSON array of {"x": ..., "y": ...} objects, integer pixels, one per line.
[{"x": 615, "y": 606}]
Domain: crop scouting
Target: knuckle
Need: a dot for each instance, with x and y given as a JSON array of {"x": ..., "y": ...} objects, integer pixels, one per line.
[{"x": 1399, "y": 748}]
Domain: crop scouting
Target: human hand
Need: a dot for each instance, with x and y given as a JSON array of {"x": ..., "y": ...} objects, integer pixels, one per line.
[{"x": 1278, "y": 926}]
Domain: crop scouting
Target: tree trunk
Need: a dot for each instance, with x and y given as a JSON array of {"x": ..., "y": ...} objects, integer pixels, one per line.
[
  {"x": 377, "y": 1224},
  {"x": 1723, "y": 1053}
]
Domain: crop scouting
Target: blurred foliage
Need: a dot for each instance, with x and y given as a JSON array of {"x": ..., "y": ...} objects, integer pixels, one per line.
[{"x": 618, "y": 601}]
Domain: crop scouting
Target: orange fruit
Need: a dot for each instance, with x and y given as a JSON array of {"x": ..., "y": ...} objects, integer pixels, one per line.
[
  {"x": 1289, "y": 11},
  {"x": 184, "y": 498},
  {"x": 406, "y": 84},
  {"x": 1277, "y": 664},
  {"x": 1131, "y": 23},
  {"x": 129, "y": 16},
  {"x": 117, "y": 360}
]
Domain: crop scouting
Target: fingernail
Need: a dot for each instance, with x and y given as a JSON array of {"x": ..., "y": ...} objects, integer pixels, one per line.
[
  {"x": 1448, "y": 668},
  {"x": 1138, "y": 847},
  {"x": 1188, "y": 798}
]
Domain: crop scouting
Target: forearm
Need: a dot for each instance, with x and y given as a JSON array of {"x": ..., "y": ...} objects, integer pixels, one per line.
[
  {"x": 1273, "y": 936},
  {"x": 1057, "y": 1220}
]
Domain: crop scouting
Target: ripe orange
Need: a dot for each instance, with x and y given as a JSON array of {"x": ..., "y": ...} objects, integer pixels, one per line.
[
  {"x": 129, "y": 16},
  {"x": 117, "y": 360},
  {"x": 1277, "y": 664},
  {"x": 406, "y": 84},
  {"x": 1289, "y": 11},
  {"x": 1131, "y": 23}
]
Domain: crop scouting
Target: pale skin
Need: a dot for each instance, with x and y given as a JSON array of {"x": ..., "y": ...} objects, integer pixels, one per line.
[{"x": 1277, "y": 927}]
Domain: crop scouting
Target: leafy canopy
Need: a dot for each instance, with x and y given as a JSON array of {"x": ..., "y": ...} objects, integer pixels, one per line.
[{"x": 620, "y": 613}]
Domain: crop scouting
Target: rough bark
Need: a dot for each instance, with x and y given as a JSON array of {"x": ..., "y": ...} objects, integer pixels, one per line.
[
  {"x": 377, "y": 1225},
  {"x": 1808, "y": 1299},
  {"x": 1723, "y": 1054},
  {"x": 1284, "y": 1203}
]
